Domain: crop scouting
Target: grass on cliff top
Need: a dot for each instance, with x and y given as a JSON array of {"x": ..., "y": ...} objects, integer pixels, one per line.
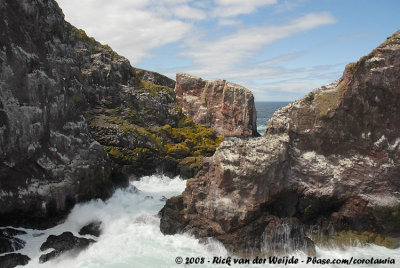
[
  {"x": 94, "y": 45},
  {"x": 154, "y": 89},
  {"x": 327, "y": 101}
]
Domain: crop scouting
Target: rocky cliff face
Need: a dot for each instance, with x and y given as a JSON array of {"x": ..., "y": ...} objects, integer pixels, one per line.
[
  {"x": 75, "y": 116},
  {"x": 48, "y": 159},
  {"x": 221, "y": 105},
  {"x": 327, "y": 168},
  {"x": 155, "y": 78}
]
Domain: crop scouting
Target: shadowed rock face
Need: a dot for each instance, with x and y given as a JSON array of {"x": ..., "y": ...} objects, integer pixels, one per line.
[
  {"x": 226, "y": 107},
  {"x": 48, "y": 159},
  {"x": 76, "y": 118},
  {"x": 330, "y": 160}
]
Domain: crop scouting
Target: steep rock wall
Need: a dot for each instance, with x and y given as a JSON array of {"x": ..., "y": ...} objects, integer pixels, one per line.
[
  {"x": 226, "y": 107},
  {"x": 329, "y": 162},
  {"x": 76, "y": 118}
]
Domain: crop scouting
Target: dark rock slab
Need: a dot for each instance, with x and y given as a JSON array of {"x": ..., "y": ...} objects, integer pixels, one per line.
[
  {"x": 66, "y": 242},
  {"x": 93, "y": 228},
  {"x": 9, "y": 243},
  {"x": 13, "y": 259}
]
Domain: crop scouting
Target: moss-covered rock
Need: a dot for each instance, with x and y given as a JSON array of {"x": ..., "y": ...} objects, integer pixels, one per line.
[
  {"x": 140, "y": 141},
  {"x": 390, "y": 216},
  {"x": 348, "y": 238}
]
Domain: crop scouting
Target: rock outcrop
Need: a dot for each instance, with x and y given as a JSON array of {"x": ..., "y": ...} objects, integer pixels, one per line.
[
  {"x": 328, "y": 164},
  {"x": 226, "y": 107},
  {"x": 9, "y": 243},
  {"x": 63, "y": 243},
  {"x": 155, "y": 78},
  {"x": 76, "y": 118},
  {"x": 13, "y": 260},
  {"x": 93, "y": 228}
]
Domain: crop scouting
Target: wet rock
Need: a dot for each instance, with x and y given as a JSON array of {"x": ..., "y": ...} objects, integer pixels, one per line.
[
  {"x": 9, "y": 243},
  {"x": 66, "y": 242},
  {"x": 172, "y": 220},
  {"x": 329, "y": 161},
  {"x": 285, "y": 235},
  {"x": 93, "y": 228},
  {"x": 221, "y": 105},
  {"x": 13, "y": 259}
]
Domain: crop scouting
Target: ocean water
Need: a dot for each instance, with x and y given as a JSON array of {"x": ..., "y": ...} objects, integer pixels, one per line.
[
  {"x": 265, "y": 110},
  {"x": 131, "y": 236}
]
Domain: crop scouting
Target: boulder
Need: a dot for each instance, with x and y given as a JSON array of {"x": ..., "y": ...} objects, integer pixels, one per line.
[
  {"x": 65, "y": 242},
  {"x": 93, "y": 228},
  {"x": 13, "y": 259}
]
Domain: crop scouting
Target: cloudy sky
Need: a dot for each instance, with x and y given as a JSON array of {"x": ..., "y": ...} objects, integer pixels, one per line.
[{"x": 279, "y": 49}]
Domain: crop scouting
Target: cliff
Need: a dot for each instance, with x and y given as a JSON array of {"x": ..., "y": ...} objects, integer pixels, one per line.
[
  {"x": 76, "y": 119},
  {"x": 326, "y": 170},
  {"x": 226, "y": 107}
]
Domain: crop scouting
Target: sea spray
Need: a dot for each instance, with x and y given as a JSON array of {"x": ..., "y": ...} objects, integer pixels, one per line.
[{"x": 131, "y": 236}]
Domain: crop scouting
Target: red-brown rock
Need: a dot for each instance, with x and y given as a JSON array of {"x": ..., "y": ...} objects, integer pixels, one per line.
[
  {"x": 331, "y": 160},
  {"x": 226, "y": 107}
]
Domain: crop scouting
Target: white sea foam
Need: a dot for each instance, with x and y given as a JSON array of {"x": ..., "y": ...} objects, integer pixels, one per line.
[{"x": 131, "y": 235}]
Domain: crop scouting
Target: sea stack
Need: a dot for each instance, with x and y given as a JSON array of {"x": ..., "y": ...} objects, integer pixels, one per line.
[
  {"x": 224, "y": 106},
  {"x": 327, "y": 166}
]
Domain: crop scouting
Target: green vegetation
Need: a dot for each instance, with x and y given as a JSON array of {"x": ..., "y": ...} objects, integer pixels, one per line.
[
  {"x": 94, "y": 45},
  {"x": 135, "y": 157},
  {"x": 194, "y": 139},
  {"x": 194, "y": 162},
  {"x": 130, "y": 140},
  {"x": 390, "y": 216},
  {"x": 328, "y": 101},
  {"x": 81, "y": 35},
  {"x": 154, "y": 89},
  {"x": 185, "y": 144}
]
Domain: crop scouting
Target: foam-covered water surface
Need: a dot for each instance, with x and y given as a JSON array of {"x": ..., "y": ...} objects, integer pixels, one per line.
[{"x": 131, "y": 235}]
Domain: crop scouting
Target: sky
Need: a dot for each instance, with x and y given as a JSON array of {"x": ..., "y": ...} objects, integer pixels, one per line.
[{"x": 279, "y": 49}]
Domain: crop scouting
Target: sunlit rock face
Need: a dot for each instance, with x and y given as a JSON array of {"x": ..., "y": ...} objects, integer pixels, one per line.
[
  {"x": 226, "y": 107},
  {"x": 327, "y": 162}
]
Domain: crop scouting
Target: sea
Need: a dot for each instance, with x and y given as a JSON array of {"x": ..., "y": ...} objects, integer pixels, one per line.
[
  {"x": 265, "y": 110},
  {"x": 131, "y": 235}
]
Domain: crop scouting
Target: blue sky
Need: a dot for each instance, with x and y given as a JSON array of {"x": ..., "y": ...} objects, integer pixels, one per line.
[{"x": 279, "y": 49}]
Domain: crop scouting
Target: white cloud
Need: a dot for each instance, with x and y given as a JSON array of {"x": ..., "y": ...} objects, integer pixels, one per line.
[
  {"x": 281, "y": 58},
  {"x": 288, "y": 5},
  {"x": 231, "y": 8},
  {"x": 229, "y": 22},
  {"x": 187, "y": 12},
  {"x": 132, "y": 27},
  {"x": 136, "y": 28},
  {"x": 225, "y": 54}
]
